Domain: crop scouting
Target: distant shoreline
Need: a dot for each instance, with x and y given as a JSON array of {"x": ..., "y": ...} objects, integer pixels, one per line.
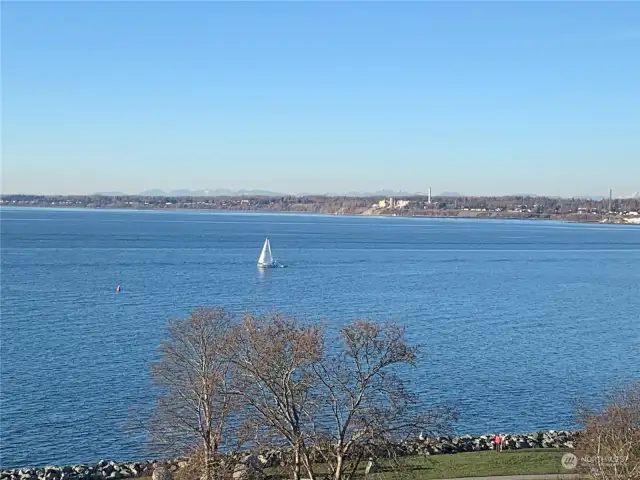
[{"x": 455, "y": 214}]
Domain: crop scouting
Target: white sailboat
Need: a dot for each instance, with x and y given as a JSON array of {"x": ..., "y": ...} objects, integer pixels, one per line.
[{"x": 266, "y": 259}]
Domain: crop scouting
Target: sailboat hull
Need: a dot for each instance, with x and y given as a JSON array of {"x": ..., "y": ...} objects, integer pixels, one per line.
[{"x": 267, "y": 265}]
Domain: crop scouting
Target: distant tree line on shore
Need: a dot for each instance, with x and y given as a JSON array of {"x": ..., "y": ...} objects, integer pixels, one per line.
[
  {"x": 417, "y": 205},
  {"x": 310, "y": 204}
]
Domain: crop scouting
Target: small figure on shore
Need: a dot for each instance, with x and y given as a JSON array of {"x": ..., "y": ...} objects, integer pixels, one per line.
[
  {"x": 118, "y": 289},
  {"x": 497, "y": 440}
]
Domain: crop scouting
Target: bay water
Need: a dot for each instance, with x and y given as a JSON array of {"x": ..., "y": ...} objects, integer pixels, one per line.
[{"x": 516, "y": 319}]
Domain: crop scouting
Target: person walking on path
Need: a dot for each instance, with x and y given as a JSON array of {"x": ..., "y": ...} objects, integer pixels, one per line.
[{"x": 497, "y": 440}]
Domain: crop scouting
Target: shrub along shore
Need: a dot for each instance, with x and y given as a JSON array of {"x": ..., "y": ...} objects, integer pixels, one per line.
[{"x": 552, "y": 439}]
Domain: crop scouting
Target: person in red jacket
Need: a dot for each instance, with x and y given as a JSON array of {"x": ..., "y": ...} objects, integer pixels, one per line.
[{"x": 497, "y": 440}]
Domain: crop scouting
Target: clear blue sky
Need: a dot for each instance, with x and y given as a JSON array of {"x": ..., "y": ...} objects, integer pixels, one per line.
[{"x": 479, "y": 98}]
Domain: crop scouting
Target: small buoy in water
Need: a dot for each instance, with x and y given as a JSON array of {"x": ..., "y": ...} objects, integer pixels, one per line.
[{"x": 118, "y": 289}]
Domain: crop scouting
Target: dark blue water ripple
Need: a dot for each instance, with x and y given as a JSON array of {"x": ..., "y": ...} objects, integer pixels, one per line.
[{"x": 516, "y": 318}]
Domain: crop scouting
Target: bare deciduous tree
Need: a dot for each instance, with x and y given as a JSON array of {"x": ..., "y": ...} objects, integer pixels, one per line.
[
  {"x": 371, "y": 407},
  {"x": 193, "y": 409},
  {"x": 609, "y": 446},
  {"x": 279, "y": 383},
  {"x": 274, "y": 357}
]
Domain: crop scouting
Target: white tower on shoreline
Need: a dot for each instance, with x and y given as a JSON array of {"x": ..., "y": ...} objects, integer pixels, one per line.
[{"x": 429, "y": 200}]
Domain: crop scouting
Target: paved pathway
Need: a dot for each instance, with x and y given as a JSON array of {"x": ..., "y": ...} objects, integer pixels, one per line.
[{"x": 522, "y": 477}]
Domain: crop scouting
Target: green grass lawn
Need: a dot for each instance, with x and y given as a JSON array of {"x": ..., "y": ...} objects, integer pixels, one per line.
[
  {"x": 473, "y": 464},
  {"x": 485, "y": 464}
]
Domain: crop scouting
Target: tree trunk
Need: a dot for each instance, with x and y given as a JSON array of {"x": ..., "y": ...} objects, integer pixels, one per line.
[
  {"x": 209, "y": 453},
  {"x": 296, "y": 462},
  {"x": 207, "y": 463},
  {"x": 339, "y": 466},
  {"x": 306, "y": 460}
]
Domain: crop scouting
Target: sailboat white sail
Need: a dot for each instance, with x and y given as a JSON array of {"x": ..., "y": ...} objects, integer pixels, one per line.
[{"x": 266, "y": 259}]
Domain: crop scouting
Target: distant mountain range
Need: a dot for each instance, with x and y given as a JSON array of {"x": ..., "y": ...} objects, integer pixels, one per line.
[
  {"x": 377, "y": 193},
  {"x": 223, "y": 192},
  {"x": 220, "y": 192},
  {"x": 111, "y": 194},
  {"x": 592, "y": 197}
]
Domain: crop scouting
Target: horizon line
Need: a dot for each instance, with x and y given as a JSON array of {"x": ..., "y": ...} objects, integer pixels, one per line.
[{"x": 266, "y": 193}]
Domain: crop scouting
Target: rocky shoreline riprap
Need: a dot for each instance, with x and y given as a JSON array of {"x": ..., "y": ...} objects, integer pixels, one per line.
[{"x": 113, "y": 470}]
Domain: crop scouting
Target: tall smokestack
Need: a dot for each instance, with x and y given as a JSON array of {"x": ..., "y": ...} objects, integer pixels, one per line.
[
  {"x": 429, "y": 195},
  {"x": 610, "y": 197}
]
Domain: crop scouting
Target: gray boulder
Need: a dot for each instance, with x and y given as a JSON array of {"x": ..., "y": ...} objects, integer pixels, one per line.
[
  {"x": 251, "y": 461},
  {"x": 248, "y": 470},
  {"x": 162, "y": 473}
]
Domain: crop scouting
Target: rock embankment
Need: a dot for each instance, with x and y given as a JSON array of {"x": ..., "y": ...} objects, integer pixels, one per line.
[
  {"x": 110, "y": 470},
  {"x": 100, "y": 471},
  {"x": 468, "y": 443}
]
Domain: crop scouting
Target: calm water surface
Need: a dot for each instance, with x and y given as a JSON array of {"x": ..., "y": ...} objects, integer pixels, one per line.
[{"x": 516, "y": 318}]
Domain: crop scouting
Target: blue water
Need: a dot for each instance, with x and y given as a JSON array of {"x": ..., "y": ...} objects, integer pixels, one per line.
[{"x": 516, "y": 318}]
